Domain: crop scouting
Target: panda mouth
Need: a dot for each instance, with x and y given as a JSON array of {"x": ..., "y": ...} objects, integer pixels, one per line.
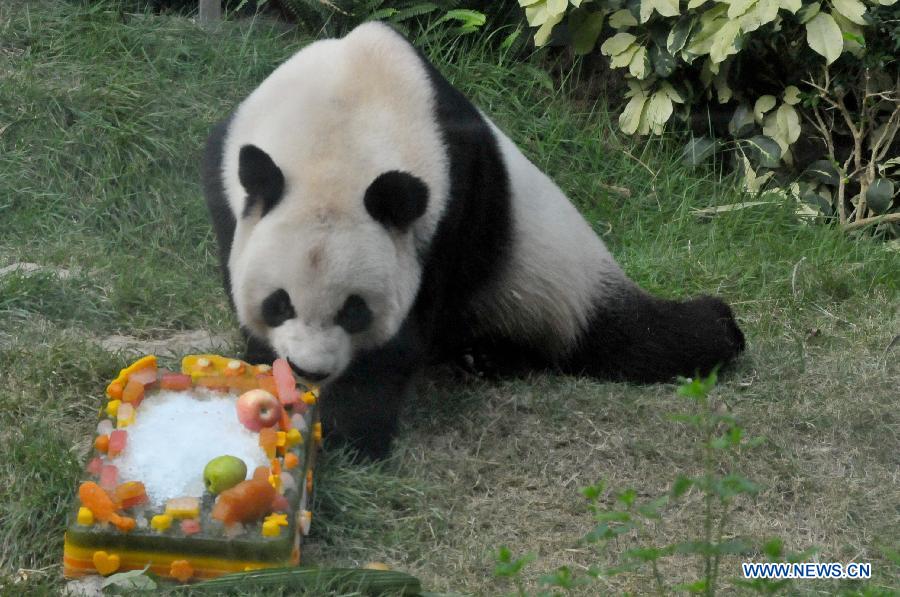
[{"x": 311, "y": 376}]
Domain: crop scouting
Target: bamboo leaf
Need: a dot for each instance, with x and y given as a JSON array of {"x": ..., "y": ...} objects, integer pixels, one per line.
[{"x": 824, "y": 37}]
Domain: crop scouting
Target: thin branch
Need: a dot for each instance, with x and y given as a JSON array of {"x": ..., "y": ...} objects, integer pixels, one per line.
[{"x": 860, "y": 223}]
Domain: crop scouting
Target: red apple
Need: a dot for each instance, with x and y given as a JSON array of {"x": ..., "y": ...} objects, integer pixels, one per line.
[{"x": 257, "y": 409}]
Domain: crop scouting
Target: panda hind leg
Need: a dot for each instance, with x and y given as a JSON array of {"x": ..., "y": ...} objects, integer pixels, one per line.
[{"x": 641, "y": 338}]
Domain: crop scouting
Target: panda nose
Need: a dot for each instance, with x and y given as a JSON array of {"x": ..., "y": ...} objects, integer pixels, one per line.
[{"x": 313, "y": 376}]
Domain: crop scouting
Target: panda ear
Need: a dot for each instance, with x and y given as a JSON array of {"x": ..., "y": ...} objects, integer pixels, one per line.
[
  {"x": 396, "y": 199},
  {"x": 261, "y": 178}
]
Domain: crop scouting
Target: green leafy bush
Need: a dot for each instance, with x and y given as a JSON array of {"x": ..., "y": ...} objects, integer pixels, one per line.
[
  {"x": 793, "y": 86},
  {"x": 335, "y": 17}
]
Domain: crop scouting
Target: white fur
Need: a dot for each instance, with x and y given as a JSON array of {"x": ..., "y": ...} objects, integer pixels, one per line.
[
  {"x": 332, "y": 118},
  {"x": 558, "y": 269},
  {"x": 335, "y": 116}
]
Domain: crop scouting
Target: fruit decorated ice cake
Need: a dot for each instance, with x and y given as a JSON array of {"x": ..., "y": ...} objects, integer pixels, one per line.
[{"x": 196, "y": 473}]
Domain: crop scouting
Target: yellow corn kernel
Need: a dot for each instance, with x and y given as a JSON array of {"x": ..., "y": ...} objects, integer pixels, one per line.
[
  {"x": 183, "y": 507},
  {"x": 85, "y": 517},
  {"x": 275, "y": 481},
  {"x": 280, "y": 439},
  {"x": 270, "y": 529},
  {"x": 317, "y": 433},
  {"x": 309, "y": 398},
  {"x": 161, "y": 522},
  {"x": 112, "y": 409},
  {"x": 293, "y": 438}
]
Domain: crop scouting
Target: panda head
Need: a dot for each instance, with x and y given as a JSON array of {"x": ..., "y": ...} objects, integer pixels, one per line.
[{"x": 324, "y": 266}]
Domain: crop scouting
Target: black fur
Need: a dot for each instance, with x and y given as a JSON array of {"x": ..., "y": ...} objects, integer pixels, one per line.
[
  {"x": 223, "y": 220},
  {"x": 641, "y": 338},
  {"x": 277, "y": 308},
  {"x": 355, "y": 315},
  {"x": 396, "y": 199},
  {"x": 261, "y": 178}
]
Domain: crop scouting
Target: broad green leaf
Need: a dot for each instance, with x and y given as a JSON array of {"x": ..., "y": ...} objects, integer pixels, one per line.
[
  {"x": 823, "y": 171},
  {"x": 666, "y": 8},
  {"x": 639, "y": 67},
  {"x": 765, "y": 150},
  {"x": 630, "y": 118},
  {"x": 725, "y": 41},
  {"x": 621, "y": 19},
  {"x": 763, "y": 105},
  {"x": 543, "y": 33},
  {"x": 624, "y": 59},
  {"x": 585, "y": 34},
  {"x": 663, "y": 62},
  {"x": 739, "y": 7},
  {"x": 133, "y": 580},
  {"x": 697, "y": 150},
  {"x": 887, "y": 2},
  {"x": 701, "y": 41},
  {"x": 807, "y": 12},
  {"x": 537, "y": 15},
  {"x": 672, "y": 92},
  {"x": 788, "y": 121},
  {"x": 824, "y": 36},
  {"x": 888, "y": 165},
  {"x": 742, "y": 122},
  {"x": 679, "y": 34},
  {"x": 791, "y": 6},
  {"x": 791, "y": 95},
  {"x": 692, "y": 4},
  {"x": 555, "y": 7},
  {"x": 880, "y": 194},
  {"x": 762, "y": 13},
  {"x": 820, "y": 201},
  {"x": 617, "y": 44},
  {"x": 772, "y": 130},
  {"x": 526, "y": 3},
  {"x": 853, "y": 10},
  {"x": 658, "y": 111},
  {"x": 752, "y": 182},
  {"x": 854, "y": 38},
  {"x": 720, "y": 82}
]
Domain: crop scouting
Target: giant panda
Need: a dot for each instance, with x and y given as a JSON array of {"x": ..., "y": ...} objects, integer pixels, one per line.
[{"x": 371, "y": 220}]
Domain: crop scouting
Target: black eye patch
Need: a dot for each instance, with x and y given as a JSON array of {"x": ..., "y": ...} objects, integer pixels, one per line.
[
  {"x": 277, "y": 308},
  {"x": 355, "y": 316}
]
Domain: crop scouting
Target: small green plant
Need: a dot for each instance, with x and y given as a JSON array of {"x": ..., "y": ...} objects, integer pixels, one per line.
[{"x": 623, "y": 516}]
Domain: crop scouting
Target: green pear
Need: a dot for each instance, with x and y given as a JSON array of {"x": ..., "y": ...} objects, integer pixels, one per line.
[{"x": 223, "y": 472}]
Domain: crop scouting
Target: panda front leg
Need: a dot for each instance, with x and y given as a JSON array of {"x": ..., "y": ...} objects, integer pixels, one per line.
[{"x": 361, "y": 408}]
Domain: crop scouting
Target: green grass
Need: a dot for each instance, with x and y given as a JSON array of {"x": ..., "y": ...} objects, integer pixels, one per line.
[{"x": 102, "y": 119}]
